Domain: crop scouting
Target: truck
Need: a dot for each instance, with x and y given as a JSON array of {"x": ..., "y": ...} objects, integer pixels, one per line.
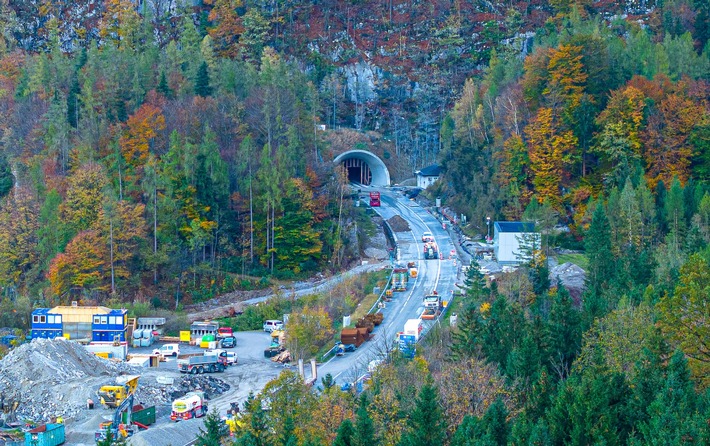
[
  {"x": 224, "y": 332},
  {"x": 113, "y": 395},
  {"x": 432, "y": 306},
  {"x": 413, "y": 327},
  {"x": 400, "y": 276},
  {"x": 191, "y": 405},
  {"x": 431, "y": 251},
  {"x": 51, "y": 434},
  {"x": 374, "y": 199},
  {"x": 202, "y": 364}
]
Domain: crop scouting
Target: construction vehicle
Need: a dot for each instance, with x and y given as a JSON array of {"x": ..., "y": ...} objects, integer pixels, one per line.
[
  {"x": 112, "y": 396},
  {"x": 374, "y": 199},
  {"x": 400, "y": 276},
  {"x": 427, "y": 237},
  {"x": 207, "y": 363},
  {"x": 431, "y": 251},
  {"x": 118, "y": 428},
  {"x": 229, "y": 356},
  {"x": 432, "y": 306},
  {"x": 413, "y": 272},
  {"x": 191, "y": 405}
]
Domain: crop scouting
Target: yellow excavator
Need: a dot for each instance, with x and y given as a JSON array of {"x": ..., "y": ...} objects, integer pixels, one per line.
[{"x": 113, "y": 396}]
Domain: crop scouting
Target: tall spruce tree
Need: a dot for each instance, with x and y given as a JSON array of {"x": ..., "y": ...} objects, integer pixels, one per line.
[
  {"x": 364, "y": 427},
  {"x": 345, "y": 434},
  {"x": 597, "y": 245},
  {"x": 7, "y": 179},
  {"x": 214, "y": 432},
  {"x": 426, "y": 423},
  {"x": 564, "y": 331},
  {"x": 202, "y": 81}
]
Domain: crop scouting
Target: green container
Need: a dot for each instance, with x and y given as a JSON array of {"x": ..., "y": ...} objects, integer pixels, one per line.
[
  {"x": 208, "y": 338},
  {"x": 144, "y": 416},
  {"x": 52, "y": 434}
]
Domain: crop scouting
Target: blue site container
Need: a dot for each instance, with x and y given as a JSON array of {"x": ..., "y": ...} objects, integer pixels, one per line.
[{"x": 50, "y": 434}]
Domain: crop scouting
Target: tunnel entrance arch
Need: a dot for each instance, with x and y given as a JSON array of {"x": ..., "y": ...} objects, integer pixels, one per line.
[{"x": 364, "y": 167}]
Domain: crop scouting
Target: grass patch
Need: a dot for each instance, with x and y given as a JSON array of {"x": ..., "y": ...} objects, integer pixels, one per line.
[
  {"x": 578, "y": 259},
  {"x": 363, "y": 308}
]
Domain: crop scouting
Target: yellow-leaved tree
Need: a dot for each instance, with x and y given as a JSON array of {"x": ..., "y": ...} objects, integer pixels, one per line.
[{"x": 308, "y": 330}]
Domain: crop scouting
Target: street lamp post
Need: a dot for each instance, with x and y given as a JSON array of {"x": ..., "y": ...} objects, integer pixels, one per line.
[{"x": 488, "y": 224}]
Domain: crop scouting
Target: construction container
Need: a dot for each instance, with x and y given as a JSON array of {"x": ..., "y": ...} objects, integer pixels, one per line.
[
  {"x": 142, "y": 415},
  {"x": 51, "y": 434}
]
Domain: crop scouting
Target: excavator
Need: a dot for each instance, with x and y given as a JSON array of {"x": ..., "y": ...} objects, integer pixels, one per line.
[
  {"x": 112, "y": 396},
  {"x": 119, "y": 428}
]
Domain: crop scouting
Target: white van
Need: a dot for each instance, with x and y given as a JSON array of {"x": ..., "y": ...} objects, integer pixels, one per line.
[
  {"x": 273, "y": 324},
  {"x": 168, "y": 350}
]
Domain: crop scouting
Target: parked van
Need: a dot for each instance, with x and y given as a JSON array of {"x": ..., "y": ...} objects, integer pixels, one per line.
[
  {"x": 273, "y": 324},
  {"x": 231, "y": 357},
  {"x": 168, "y": 350}
]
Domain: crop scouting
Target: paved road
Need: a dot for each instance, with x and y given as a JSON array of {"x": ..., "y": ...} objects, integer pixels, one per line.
[{"x": 439, "y": 275}]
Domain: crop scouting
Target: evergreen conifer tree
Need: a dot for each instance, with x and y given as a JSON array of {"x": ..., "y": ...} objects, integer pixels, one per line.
[
  {"x": 202, "y": 81},
  {"x": 427, "y": 425},
  {"x": 495, "y": 423},
  {"x": 163, "y": 87},
  {"x": 597, "y": 244},
  {"x": 213, "y": 433},
  {"x": 564, "y": 330},
  {"x": 7, "y": 179},
  {"x": 345, "y": 434},
  {"x": 364, "y": 427}
]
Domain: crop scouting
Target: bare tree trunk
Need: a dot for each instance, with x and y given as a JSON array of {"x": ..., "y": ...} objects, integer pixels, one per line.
[
  {"x": 113, "y": 277},
  {"x": 155, "y": 231}
]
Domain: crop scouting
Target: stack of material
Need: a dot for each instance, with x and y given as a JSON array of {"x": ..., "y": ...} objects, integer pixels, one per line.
[
  {"x": 375, "y": 318},
  {"x": 354, "y": 336},
  {"x": 282, "y": 357}
]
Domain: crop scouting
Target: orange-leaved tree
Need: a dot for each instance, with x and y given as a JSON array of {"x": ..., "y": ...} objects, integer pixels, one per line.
[
  {"x": 141, "y": 130},
  {"x": 228, "y": 27},
  {"x": 82, "y": 266}
]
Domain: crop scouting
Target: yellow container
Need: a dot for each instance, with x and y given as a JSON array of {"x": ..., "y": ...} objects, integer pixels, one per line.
[
  {"x": 102, "y": 354},
  {"x": 205, "y": 344},
  {"x": 185, "y": 336},
  {"x": 67, "y": 336}
]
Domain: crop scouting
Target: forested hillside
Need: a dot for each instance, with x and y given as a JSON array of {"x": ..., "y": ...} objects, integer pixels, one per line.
[{"x": 166, "y": 152}]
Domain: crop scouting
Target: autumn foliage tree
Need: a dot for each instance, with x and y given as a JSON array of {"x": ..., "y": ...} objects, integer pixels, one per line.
[{"x": 81, "y": 267}]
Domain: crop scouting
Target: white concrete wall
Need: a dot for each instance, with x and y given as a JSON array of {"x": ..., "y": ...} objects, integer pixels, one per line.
[
  {"x": 507, "y": 246},
  {"x": 425, "y": 182}
]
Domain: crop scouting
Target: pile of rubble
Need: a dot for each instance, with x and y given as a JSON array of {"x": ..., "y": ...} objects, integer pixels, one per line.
[
  {"x": 47, "y": 378},
  {"x": 398, "y": 224}
]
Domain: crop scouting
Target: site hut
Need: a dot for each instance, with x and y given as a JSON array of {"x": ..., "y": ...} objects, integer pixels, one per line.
[
  {"x": 198, "y": 329},
  {"x": 428, "y": 176},
  {"x": 109, "y": 327},
  {"x": 75, "y": 322},
  {"x": 513, "y": 241}
]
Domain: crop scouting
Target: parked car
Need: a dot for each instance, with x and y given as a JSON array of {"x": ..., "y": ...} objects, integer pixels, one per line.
[
  {"x": 273, "y": 324},
  {"x": 168, "y": 350},
  {"x": 229, "y": 342}
]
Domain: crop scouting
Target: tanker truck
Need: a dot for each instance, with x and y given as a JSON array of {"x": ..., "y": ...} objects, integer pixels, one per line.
[{"x": 191, "y": 405}]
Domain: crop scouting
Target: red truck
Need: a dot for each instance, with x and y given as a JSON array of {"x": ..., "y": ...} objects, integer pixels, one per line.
[{"x": 374, "y": 199}]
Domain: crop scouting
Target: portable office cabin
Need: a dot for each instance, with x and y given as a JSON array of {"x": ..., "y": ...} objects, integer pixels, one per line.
[
  {"x": 46, "y": 324},
  {"x": 106, "y": 327},
  {"x": 510, "y": 239},
  {"x": 77, "y": 321},
  {"x": 199, "y": 329}
]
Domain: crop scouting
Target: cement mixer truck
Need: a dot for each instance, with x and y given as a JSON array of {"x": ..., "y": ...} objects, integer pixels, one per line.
[{"x": 191, "y": 405}]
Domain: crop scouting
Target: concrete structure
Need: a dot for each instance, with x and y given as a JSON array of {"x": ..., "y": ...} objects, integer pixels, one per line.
[
  {"x": 364, "y": 167},
  {"x": 510, "y": 240},
  {"x": 202, "y": 328},
  {"x": 428, "y": 176}
]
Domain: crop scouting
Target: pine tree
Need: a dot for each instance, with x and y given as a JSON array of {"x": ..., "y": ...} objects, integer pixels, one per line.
[
  {"x": 7, "y": 179},
  {"x": 564, "y": 330},
  {"x": 287, "y": 436},
  {"x": 597, "y": 245},
  {"x": 213, "y": 433},
  {"x": 202, "y": 81},
  {"x": 495, "y": 423},
  {"x": 364, "y": 427},
  {"x": 163, "y": 87},
  {"x": 345, "y": 434},
  {"x": 427, "y": 425}
]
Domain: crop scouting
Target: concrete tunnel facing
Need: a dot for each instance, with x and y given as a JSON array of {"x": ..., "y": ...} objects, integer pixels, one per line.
[{"x": 364, "y": 167}]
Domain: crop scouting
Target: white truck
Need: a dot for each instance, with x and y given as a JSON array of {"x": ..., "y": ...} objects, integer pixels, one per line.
[
  {"x": 413, "y": 327},
  {"x": 192, "y": 405}
]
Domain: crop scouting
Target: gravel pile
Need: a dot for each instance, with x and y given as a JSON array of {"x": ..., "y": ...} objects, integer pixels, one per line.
[
  {"x": 398, "y": 224},
  {"x": 55, "y": 377}
]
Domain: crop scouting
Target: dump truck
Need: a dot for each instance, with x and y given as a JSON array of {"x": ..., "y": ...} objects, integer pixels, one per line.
[
  {"x": 431, "y": 251},
  {"x": 51, "y": 434},
  {"x": 191, "y": 405},
  {"x": 432, "y": 306},
  {"x": 374, "y": 199},
  {"x": 203, "y": 364},
  {"x": 112, "y": 396}
]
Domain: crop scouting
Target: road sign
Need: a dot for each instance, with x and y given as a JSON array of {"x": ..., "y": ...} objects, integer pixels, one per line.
[{"x": 407, "y": 345}]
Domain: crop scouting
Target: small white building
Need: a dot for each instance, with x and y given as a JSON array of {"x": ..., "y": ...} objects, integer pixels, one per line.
[
  {"x": 512, "y": 239},
  {"x": 428, "y": 176}
]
